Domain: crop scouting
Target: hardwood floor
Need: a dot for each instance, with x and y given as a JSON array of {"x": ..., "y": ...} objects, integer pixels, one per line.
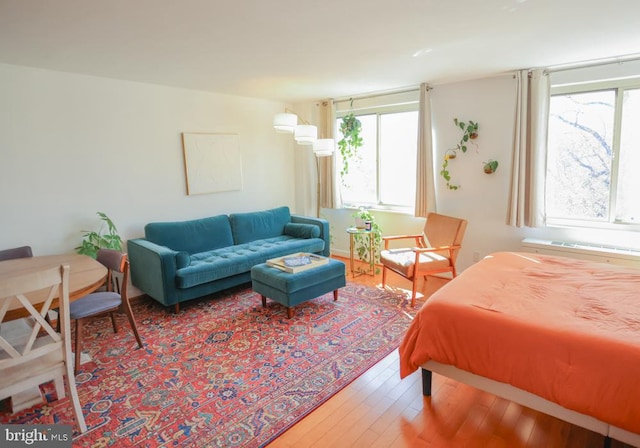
[{"x": 379, "y": 410}]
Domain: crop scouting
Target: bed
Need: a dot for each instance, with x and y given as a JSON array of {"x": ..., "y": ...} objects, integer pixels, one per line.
[{"x": 559, "y": 335}]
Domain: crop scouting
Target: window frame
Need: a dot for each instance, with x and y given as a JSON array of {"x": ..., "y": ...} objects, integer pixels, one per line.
[
  {"x": 378, "y": 110},
  {"x": 618, "y": 86}
]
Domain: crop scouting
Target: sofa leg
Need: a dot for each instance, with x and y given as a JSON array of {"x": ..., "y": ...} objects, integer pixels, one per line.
[
  {"x": 176, "y": 308},
  {"x": 289, "y": 312},
  {"x": 335, "y": 295},
  {"x": 264, "y": 301}
]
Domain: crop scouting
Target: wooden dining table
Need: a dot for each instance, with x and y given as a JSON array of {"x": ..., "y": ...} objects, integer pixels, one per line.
[{"x": 85, "y": 274}]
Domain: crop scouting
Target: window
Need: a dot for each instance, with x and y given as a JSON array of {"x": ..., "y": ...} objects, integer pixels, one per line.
[
  {"x": 384, "y": 173},
  {"x": 593, "y": 155}
]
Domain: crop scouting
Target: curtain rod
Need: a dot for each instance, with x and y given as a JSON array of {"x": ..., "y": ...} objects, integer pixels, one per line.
[
  {"x": 375, "y": 95},
  {"x": 593, "y": 63}
]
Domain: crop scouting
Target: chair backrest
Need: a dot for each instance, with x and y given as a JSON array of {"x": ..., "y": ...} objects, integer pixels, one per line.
[
  {"x": 42, "y": 339},
  {"x": 16, "y": 252},
  {"x": 115, "y": 261},
  {"x": 441, "y": 230}
]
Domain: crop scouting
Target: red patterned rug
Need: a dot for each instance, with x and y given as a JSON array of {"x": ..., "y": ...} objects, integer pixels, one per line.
[{"x": 225, "y": 371}]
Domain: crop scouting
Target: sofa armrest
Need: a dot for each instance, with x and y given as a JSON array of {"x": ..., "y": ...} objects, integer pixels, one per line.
[
  {"x": 153, "y": 270},
  {"x": 323, "y": 224}
]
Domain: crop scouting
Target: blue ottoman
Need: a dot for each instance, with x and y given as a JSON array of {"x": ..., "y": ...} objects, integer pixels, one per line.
[{"x": 292, "y": 289}]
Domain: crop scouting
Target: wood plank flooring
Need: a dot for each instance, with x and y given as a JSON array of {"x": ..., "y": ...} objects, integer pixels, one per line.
[{"x": 379, "y": 410}]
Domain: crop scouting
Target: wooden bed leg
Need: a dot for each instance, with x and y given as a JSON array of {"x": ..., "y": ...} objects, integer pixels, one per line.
[
  {"x": 426, "y": 382},
  {"x": 607, "y": 442}
]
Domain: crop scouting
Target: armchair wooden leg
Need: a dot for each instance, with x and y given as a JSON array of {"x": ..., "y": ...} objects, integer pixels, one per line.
[
  {"x": 384, "y": 276},
  {"x": 413, "y": 291}
]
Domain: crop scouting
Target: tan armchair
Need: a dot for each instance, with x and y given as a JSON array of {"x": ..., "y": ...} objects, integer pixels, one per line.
[{"x": 435, "y": 251}]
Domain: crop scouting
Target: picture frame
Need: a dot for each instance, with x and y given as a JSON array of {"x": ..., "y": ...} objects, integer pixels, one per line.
[{"x": 212, "y": 162}]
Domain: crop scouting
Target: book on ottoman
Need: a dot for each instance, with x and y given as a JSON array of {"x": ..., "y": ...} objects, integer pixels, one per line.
[{"x": 297, "y": 262}]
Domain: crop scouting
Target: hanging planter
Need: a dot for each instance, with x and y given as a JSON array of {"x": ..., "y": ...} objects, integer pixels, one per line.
[
  {"x": 490, "y": 166},
  {"x": 470, "y": 132},
  {"x": 350, "y": 142}
]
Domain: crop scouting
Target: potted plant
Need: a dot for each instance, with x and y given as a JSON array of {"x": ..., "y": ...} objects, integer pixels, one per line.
[
  {"x": 490, "y": 166},
  {"x": 101, "y": 239},
  {"x": 362, "y": 240},
  {"x": 469, "y": 132}
]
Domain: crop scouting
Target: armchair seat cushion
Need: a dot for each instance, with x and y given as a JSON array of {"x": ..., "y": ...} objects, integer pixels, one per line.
[{"x": 403, "y": 261}]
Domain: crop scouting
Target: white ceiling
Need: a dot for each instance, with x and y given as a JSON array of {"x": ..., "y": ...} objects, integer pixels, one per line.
[{"x": 296, "y": 50}]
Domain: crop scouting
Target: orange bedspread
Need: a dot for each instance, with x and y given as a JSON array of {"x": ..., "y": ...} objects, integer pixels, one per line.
[{"x": 563, "y": 329}]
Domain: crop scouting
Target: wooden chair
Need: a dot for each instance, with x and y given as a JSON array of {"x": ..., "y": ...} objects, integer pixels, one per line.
[
  {"x": 105, "y": 302},
  {"x": 16, "y": 252},
  {"x": 42, "y": 354},
  {"x": 435, "y": 251}
]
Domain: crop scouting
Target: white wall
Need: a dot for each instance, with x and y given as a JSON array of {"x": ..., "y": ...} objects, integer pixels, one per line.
[
  {"x": 482, "y": 199},
  {"x": 72, "y": 145}
]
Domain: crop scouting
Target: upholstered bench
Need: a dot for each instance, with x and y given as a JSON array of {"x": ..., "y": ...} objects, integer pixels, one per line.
[{"x": 293, "y": 289}]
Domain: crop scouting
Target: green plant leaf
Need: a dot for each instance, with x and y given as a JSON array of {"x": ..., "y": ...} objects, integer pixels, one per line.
[
  {"x": 351, "y": 140},
  {"x": 95, "y": 240}
]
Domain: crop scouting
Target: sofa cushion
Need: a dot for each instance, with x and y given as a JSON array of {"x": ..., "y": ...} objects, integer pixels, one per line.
[
  {"x": 297, "y": 230},
  {"x": 193, "y": 236},
  {"x": 213, "y": 265},
  {"x": 253, "y": 226},
  {"x": 183, "y": 259}
]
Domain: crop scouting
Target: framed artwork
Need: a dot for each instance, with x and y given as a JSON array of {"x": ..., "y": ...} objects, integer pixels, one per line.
[{"x": 212, "y": 162}]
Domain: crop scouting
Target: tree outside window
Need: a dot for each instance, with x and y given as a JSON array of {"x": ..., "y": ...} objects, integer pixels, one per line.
[{"x": 593, "y": 153}]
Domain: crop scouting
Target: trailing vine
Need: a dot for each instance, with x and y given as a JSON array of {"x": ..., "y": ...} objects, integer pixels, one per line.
[
  {"x": 469, "y": 133},
  {"x": 350, "y": 142},
  {"x": 444, "y": 172}
]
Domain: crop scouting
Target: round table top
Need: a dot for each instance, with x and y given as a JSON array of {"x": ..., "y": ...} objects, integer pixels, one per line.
[
  {"x": 85, "y": 274},
  {"x": 357, "y": 230}
]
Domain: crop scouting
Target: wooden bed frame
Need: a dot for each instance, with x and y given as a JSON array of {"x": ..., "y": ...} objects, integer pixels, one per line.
[{"x": 527, "y": 399}]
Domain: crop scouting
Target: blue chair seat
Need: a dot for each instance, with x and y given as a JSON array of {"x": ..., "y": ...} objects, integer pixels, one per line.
[{"x": 95, "y": 303}]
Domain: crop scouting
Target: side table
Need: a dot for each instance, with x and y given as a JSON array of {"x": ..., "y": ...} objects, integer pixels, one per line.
[{"x": 353, "y": 231}]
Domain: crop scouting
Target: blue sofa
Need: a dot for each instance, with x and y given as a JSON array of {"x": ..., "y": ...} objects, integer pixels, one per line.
[{"x": 179, "y": 261}]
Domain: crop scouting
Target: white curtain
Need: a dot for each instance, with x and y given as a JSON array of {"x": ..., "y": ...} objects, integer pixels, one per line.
[
  {"x": 527, "y": 194},
  {"x": 425, "y": 182},
  {"x": 329, "y": 196}
]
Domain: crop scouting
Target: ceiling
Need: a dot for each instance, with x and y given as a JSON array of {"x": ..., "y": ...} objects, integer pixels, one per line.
[{"x": 297, "y": 50}]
